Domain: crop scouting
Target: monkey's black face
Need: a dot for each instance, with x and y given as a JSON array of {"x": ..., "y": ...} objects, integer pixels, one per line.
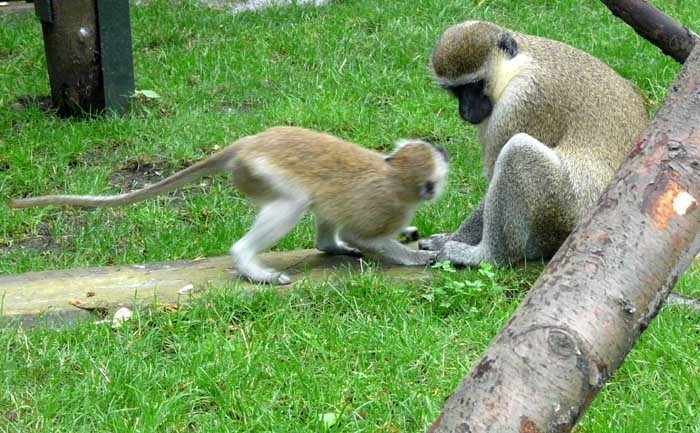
[{"x": 474, "y": 105}]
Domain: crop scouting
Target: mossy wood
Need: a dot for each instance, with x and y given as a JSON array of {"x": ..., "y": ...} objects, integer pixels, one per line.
[{"x": 61, "y": 293}]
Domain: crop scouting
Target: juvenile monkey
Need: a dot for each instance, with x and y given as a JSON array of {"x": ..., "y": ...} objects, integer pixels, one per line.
[
  {"x": 554, "y": 124},
  {"x": 361, "y": 198}
]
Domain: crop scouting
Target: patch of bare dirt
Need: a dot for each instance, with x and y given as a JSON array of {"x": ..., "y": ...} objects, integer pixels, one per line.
[
  {"x": 236, "y": 6},
  {"x": 234, "y": 107},
  {"x": 40, "y": 239},
  {"x": 44, "y": 103},
  {"x": 97, "y": 153},
  {"x": 15, "y": 7},
  {"x": 140, "y": 172}
]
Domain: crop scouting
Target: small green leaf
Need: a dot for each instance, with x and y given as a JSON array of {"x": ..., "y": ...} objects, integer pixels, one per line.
[
  {"x": 329, "y": 419},
  {"x": 445, "y": 265},
  {"x": 486, "y": 269},
  {"x": 148, "y": 94}
]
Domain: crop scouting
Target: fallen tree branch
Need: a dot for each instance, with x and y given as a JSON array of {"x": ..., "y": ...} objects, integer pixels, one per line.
[
  {"x": 655, "y": 26},
  {"x": 600, "y": 291}
]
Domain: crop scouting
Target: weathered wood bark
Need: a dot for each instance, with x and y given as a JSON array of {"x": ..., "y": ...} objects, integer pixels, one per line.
[
  {"x": 600, "y": 291},
  {"x": 59, "y": 295},
  {"x": 655, "y": 26}
]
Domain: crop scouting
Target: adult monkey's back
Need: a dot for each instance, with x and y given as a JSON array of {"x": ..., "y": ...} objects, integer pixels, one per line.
[{"x": 554, "y": 124}]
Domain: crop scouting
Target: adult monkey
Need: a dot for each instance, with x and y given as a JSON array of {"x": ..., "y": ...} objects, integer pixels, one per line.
[{"x": 554, "y": 124}]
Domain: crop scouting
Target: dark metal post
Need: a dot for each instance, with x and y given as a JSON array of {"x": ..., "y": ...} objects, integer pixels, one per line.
[
  {"x": 115, "y": 46},
  {"x": 88, "y": 54}
]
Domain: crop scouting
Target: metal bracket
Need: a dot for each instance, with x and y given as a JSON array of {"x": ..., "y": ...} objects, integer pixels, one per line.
[{"x": 117, "y": 59}]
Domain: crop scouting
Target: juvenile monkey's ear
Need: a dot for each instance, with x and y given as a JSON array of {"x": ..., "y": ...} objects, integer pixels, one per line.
[
  {"x": 399, "y": 144},
  {"x": 442, "y": 151},
  {"x": 507, "y": 44}
]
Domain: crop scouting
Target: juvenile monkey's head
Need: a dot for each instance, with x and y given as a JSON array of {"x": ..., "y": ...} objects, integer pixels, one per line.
[
  {"x": 474, "y": 61},
  {"x": 421, "y": 167}
]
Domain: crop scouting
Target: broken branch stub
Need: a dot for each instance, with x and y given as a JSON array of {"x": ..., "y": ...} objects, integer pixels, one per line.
[
  {"x": 600, "y": 291},
  {"x": 654, "y": 25}
]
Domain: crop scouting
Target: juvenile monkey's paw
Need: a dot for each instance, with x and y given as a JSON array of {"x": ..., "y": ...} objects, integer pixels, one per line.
[
  {"x": 412, "y": 257},
  {"x": 267, "y": 276},
  {"x": 277, "y": 278},
  {"x": 283, "y": 279},
  {"x": 340, "y": 249},
  {"x": 460, "y": 254},
  {"x": 435, "y": 242},
  {"x": 425, "y": 258},
  {"x": 433, "y": 258}
]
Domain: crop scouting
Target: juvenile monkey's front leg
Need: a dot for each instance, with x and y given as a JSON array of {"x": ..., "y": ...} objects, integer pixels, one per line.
[
  {"x": 468, "y": 233},
  {"x": 392, "y": 251}
]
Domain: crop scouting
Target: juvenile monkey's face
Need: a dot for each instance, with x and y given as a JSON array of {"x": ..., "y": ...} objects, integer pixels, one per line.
[
  {"x": 421, "y": 165},
  {"x": 433, "y": 187}
]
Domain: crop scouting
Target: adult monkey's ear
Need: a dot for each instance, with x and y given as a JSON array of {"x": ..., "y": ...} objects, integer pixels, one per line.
[{"x": 507, "y": 44}]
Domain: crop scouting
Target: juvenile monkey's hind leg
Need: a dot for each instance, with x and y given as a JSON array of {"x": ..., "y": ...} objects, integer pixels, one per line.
[
  {"x": 274, "y": 220},
  {"x": 327, "y": 239},
  {"x": 408, "y": 234}
]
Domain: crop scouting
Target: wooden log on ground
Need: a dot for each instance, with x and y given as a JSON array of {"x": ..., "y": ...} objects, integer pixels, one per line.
[{"x": 65, "y": 293}]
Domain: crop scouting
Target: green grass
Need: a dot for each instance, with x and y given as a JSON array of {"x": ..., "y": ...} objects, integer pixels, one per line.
[{"x": 377, "y": 355}]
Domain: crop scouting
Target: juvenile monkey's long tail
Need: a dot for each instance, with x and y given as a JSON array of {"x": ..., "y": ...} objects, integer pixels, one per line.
[{"x": 214, "y": 164}]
